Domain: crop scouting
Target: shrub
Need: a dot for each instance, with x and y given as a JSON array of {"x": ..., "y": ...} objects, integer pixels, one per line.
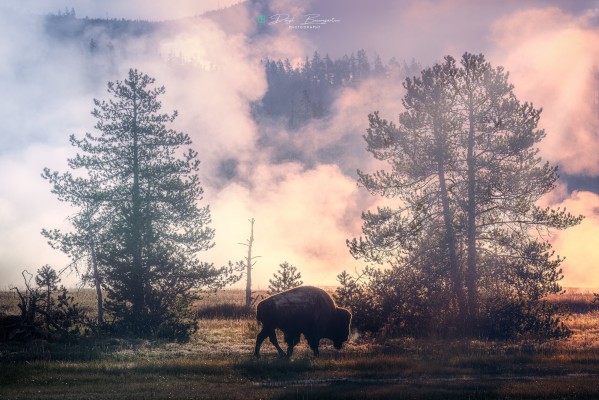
[
  {"x": 503, "y": 318},
  {"x": 402, "y": 302},
  {"x": 285, "y": 278},
  {"x": 47, "y": 311}
]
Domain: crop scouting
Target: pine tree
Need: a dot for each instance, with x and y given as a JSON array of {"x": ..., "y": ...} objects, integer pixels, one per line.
[
  {"x": 504, "y": 176},
  {"x": 330, "y": 73},
  {"x": 318, "y": 70},
  {"x": 47, "y": 280},
  {"x": 465, "y": 166},
  {"x": 141, "y": 179},
  {"x": 362, "y": 66},
  {"x": 379, "y": 69},
  {"x": 286, "y": 277}
]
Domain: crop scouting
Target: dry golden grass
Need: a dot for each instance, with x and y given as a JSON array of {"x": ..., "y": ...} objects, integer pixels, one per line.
[
  {"x": 578, "y": 300},
  {"x": 8, "y": 302},
  {"x": 217, "y": 363}
]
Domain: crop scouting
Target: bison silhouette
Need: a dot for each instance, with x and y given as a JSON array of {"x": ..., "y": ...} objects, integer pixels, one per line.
[{"x": 303, "y": 310}]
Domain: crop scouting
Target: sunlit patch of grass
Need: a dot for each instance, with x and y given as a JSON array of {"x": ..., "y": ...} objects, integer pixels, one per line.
[{"x": 577, "y": 300}]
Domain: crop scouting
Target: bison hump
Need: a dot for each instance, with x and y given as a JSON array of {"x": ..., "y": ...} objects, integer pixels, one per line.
[{"x": 304, "y": 307}]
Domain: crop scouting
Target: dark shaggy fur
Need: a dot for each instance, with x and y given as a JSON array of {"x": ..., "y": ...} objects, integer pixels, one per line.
[{"x": 303, "y": 310}]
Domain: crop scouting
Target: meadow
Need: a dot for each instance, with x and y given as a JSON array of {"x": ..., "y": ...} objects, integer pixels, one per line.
[{"x": 217, "y": 363}]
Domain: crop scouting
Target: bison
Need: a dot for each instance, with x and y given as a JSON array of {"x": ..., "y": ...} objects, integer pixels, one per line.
[{"x": 303, "y": 310}]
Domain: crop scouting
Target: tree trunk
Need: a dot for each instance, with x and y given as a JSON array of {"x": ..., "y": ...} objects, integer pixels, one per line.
[
  {"x": 48, "y": 307},
  {"x": 94, "y": 261},
  {"x": 456, "y": 273},
  {"x": 91, "y": 242},
  {"x": 98, "y": 288},
  {"x": 471, "y": 274},
  {"x": 248, "y": 284},
  {"x": 137, "y": 280}
]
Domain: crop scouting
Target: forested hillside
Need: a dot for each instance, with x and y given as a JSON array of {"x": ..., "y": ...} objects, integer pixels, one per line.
[{"x": 299, "y": 93}]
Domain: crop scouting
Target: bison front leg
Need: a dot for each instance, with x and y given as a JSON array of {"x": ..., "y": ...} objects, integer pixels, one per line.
[{"x": 314, "y": 343}]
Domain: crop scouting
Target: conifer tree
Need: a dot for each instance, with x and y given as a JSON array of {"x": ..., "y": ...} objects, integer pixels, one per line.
[
  {"x": 47, "y": 280},
  {"x": 286, "y": 277},
  {"x": 464, "y": 166},
  {"x": 141, "y": 179}
]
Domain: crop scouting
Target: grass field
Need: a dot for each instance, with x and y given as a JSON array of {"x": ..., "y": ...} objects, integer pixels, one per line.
[{"x": 218, "y": 364}]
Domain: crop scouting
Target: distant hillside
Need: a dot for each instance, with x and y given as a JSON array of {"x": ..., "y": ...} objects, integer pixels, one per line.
[{"x": 68, "y": 26}]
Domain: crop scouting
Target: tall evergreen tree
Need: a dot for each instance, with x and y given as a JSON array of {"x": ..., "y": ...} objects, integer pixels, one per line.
[
  {"x": 330, "y": 72},
  {"x": 318, "y": 70},
  {"x": 142, "y": 179},
  {"x": 362, "y": 66},
  {"x": 464, "y": 163},
  {"x": 378, "y": 70},
  {"x": 504, "y": 176},
  {"x": 420, "y": 152}
]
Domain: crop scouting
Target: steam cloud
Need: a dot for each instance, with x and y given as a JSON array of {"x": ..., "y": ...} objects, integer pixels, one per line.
[{"x": 306, "y": 206}]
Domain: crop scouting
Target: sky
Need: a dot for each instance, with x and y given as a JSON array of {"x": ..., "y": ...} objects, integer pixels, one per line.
[{"x": 304, "y": 208}]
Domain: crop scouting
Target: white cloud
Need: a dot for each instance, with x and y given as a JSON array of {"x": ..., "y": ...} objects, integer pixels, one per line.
[
  {"x": 577, "y": 244},
  {"x": 553, "y": 60},
  {"x": 302, "y": 216}
]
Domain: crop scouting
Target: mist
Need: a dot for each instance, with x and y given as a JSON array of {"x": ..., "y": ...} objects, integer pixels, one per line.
[{"x": 307, "y": 204}]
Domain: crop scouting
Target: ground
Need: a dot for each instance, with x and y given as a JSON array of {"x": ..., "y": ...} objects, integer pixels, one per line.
[{"x": 217, "y": 363}]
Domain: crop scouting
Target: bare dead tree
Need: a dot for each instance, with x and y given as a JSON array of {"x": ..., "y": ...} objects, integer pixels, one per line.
[{"x": 249, "y": 264}]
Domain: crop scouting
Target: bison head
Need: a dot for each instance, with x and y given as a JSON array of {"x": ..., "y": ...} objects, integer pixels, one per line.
[{"x": 340, "y": 327}]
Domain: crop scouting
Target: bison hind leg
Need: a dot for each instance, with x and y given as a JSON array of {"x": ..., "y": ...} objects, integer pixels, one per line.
[
  {"x": 291, "y": 339},
  {"x": 271, "y": 334}
]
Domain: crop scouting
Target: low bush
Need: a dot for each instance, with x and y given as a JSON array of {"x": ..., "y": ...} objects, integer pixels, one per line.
[{"x": 399, "y": 302}]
